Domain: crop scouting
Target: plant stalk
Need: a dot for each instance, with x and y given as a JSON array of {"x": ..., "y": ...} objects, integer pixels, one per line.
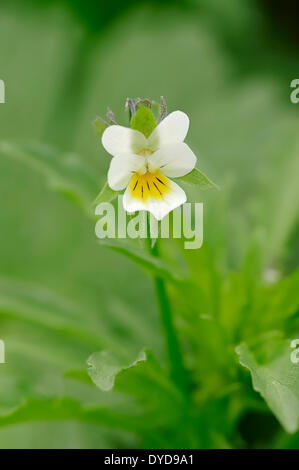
[{"x": 177, "y": 370}]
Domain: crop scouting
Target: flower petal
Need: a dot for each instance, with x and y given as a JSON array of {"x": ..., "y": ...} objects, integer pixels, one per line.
[
  {"x": 118, "y": 140},
  {"x": 173, "y": 160},
  {"x": 121, "y": 170},
  {"x": 172, "y": 129},
  {"x": 160, "y": 206}
]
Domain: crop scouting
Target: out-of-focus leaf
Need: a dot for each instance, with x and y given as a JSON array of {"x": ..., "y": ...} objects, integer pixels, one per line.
[
  {"x": 66, "y": 173},
  {"x": 100, "y": 125},
  {"x": 106, "y": 195},
  {"x": 79, "y": 375},
  {"x": 282, "y": 301},
  {"x": 103, "y": 366},
  {"x": 285, "y": 204},
  {"x": 143, "y": 378},
  {"x": 153, "y": 264},
  {"x": 149, "y": 426},
  {"x": 68, "y": 409},
  {"x": 277, "y": 380},
  {"x": 143, "y": 120},
  {"x": 43, "y": 308},
  {"x": 197, "y": 177}
]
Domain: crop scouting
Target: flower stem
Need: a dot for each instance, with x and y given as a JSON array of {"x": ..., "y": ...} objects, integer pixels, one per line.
[{"x": 177, "y": 369}]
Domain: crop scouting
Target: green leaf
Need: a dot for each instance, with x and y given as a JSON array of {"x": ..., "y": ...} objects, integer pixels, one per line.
[
  {"x": 106, "y": 195},
  {"x": 65, "y": 173},
  {"x": 285, "y": 203},
  {"x": 100, "y": 125},
  {"x": 277, "y": 380},
  {"x": 104, "y": 366},
  {"x": 45, "y": 309},
  {"x": 138, "y": 377},
  {"x": 145, "y": 377},
  {"x": 279, "y": 304},
  {"x": 152, "y": 263},
  {"x": 197, "y": 177},
  {"x": 79, "y": 375},
  {"x": 35, "y": 409},
  {"x": 143, "y": 120},
  {"x": 161, "y": 403},
  {"x": 38, "y": 410}
]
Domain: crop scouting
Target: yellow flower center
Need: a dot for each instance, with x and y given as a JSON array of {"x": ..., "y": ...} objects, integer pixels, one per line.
[{"x": 149, "y": 184}]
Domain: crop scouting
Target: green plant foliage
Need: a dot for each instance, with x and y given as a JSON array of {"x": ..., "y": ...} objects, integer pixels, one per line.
[
  {"x": 197, "y": 177},
  {"x": 277, "y": 380},
  {"x": 66, "y": 409},
  {"x": 104, "y": 366},
  {"x": 139, "y": 256},
  {"x": 65, "y": 296},
  {"x": 105, "y": 195},
  {"x": 143, "y": 120},
  {"x": 100, "y": 125},
  {"x": 64, "y": 173},
  {"x": 45, "y": 310}
]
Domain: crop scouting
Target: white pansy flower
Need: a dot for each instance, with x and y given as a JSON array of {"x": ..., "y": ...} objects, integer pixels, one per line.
[{"x": 143, "y": 166}]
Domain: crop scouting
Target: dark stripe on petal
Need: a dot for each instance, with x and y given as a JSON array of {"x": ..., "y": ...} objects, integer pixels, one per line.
[{"x": 157, "y": 188}]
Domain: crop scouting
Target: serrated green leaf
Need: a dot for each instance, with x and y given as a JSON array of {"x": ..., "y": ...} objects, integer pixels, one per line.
[
  {"x": 146, "y": 376},
  {"x": 104, "y": 366},
  {"x": 137, "y": 377},
  {"x": 144, "y": 120},
  {"x": 197, "y": 177},
  {"x": 106, "y": 195},
  {"x": 100, "y": 125},
  {"x": 277, "y": 380}
]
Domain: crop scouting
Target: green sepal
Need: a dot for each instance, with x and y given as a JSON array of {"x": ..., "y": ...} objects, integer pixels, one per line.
[
  {"x": 144, "y": 120},
  {"x": 197, "y": 177},
  {"x": 105, "y": 195},
  {"x": 100, "y": 125}
]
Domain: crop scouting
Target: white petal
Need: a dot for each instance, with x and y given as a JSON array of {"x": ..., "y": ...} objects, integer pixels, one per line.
[
  {"x": 173, "y": 160},
  {"x": 158, "y": 207},
  {"x": 118, "y": 140},
  {"x": 172, "y": 129},
  {"x": 121, "y": 170}
]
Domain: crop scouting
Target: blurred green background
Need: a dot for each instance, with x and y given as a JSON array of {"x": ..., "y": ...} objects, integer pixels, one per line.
[{"x": 228, "y": 65}]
